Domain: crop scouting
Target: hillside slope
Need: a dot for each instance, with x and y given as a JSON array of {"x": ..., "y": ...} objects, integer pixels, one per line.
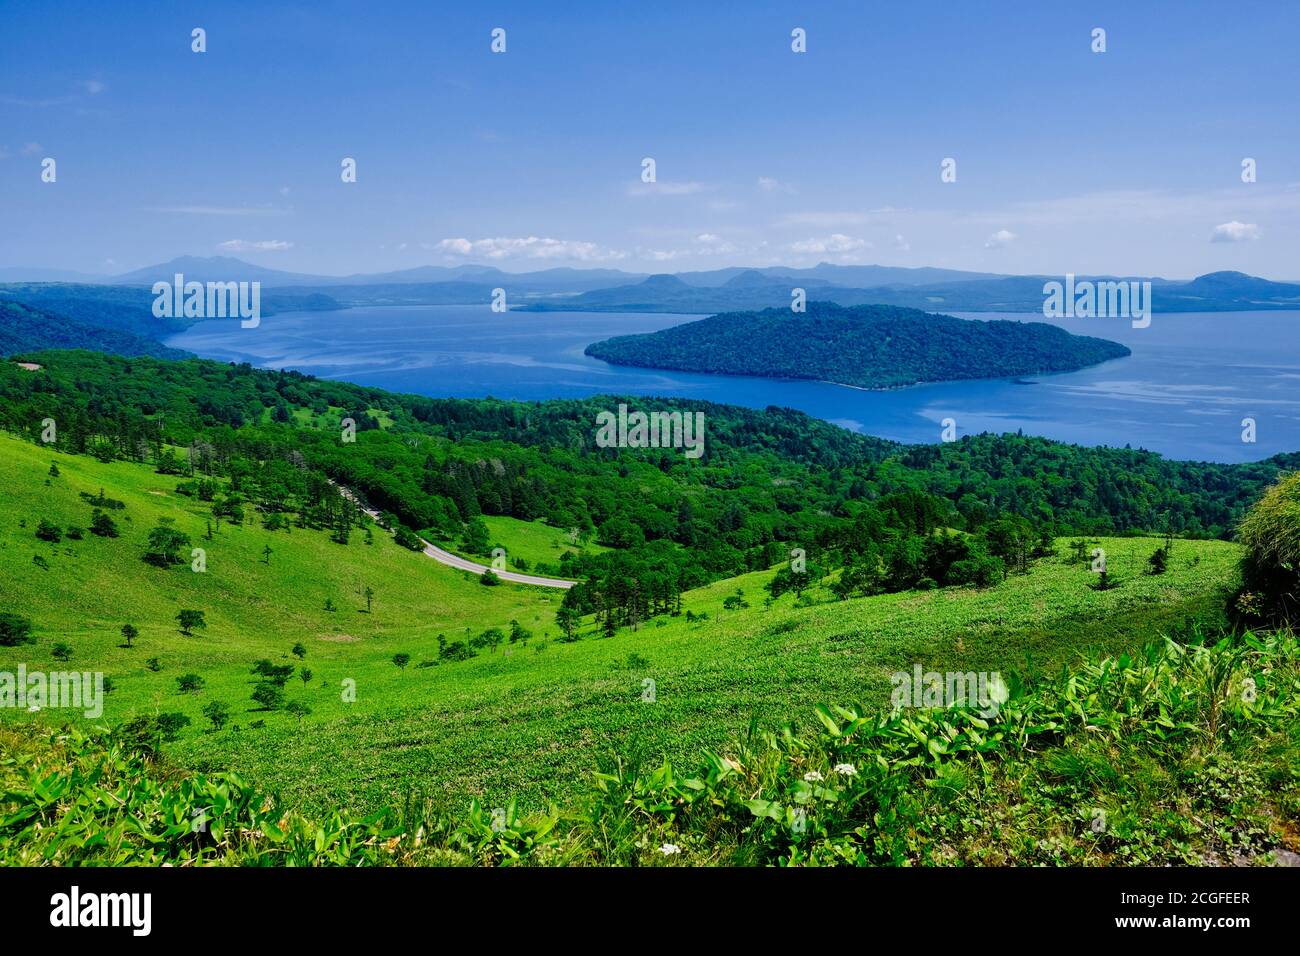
[
  {"x": 118, "y": 320},
  {"x": 525, "y": 720},
  {"x": 1151, "y": 759},
  {"x": 26, "y": 329}
]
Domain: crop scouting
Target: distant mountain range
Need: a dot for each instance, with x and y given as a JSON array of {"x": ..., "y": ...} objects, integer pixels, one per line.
[
  {"x": 869, "y": 346},
  {"x": 123, "y": 304},
  {"x": 227, "y": 268},
  {"x": 718, "y": 290},
  {"x": 1216, "y": 292}
]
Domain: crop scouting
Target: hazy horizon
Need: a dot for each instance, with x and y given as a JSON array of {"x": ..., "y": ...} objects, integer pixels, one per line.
[{"x": 533, "y": 266}]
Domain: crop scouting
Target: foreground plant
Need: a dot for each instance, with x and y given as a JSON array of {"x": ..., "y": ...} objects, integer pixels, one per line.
[{"x": 1180, "y": 754}]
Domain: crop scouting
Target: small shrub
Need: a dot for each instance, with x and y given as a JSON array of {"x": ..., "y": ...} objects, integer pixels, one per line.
[
  {"x": 216, "y": 712},
  {"x": 14, "y": 630},
  {"x": 102, "y": 525}
]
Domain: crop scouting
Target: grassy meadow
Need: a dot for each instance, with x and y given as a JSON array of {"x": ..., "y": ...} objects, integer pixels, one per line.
[
  {"x": 527, "y": 721},
  {"x": 534, "y": 542}
]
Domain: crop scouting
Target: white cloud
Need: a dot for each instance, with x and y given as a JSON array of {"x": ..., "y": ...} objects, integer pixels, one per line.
[
  {"x": 824, "y": 220},
  {"x": 834, "y": 243},
  {"x": 9, "y": 100},
  {"x": 1235, "y": 232},
  {"x": 714, "y": 245},
  {"x": 684, "y": 188},
  {"x": 31, "y": 149},
  {"x": 770, "y": 185},
  {"x": 833, "y": 219},
  {"x": 661, "y": 255},
  {"x": 261, "y": 245},
  {"x": 94, "y": 87},
  {"x": 222, "y": 210},
  {"x": 701, "y": 244},
  {"x": 530, "y": 247},
  {"x": 1146, "y": 206},
  {"x": 999, "y": 239},
  {"x": 901, "y": 244}
]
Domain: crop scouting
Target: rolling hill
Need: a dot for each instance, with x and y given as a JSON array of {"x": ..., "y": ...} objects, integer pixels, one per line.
[
  {"x": 117, "y": 319},
  {"x": 523, "y": 721},
  {"x": 25, "y": 329},
  {"x": 411, "y": 688}
]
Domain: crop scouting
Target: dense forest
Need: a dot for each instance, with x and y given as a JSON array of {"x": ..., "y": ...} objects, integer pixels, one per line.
[
  {"x": 260, "y": 444},
  {"x": 114, "y": 319},
  {"x": 870, "y": 346},
  {"x": 24, "y": 329}
]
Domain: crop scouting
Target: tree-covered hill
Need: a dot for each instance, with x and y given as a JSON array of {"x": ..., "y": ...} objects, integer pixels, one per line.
[
  {"x": 115, "y": 319},
  {"x": 764, "y": 474},
  {"x": 26, "y": 329},
  {"x": 869, "y": 346}
]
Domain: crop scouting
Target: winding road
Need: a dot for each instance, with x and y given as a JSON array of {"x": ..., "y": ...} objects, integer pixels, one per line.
[{"x": 464, "y": 564}]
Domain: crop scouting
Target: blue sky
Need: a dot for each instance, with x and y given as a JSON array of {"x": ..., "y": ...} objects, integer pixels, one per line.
[{"x": 1128, "y": 161}]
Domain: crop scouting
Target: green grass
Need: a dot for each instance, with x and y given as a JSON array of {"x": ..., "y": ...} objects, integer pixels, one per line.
[
  {"x": 253, "y": 609},
  {"x": 535, "y": 542},
  {"x": 524, "y": 723},
  {"x": 1180, "y": 754}
]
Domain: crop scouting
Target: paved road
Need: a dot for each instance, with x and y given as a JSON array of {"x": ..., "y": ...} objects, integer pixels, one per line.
[
  {"x": 456, "y": 561},
  {"x": 465, "y": 564}
]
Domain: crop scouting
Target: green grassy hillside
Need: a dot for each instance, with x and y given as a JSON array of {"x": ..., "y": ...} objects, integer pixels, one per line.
[
  {"x": 525, "y": 721},
  {"x": 534, "y": 542},
  {"x": 1180, "y": 754}
]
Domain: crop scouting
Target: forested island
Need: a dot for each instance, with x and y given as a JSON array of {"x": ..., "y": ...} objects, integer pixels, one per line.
[{"x": 867, "y": 346}]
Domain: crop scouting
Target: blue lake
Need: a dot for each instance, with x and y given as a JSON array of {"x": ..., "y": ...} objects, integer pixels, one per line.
[{"x": 1191, "y": 380}]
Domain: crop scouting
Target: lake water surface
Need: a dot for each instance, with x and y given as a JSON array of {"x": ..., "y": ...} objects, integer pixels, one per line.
[{"x": 1183, "y": 392}]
